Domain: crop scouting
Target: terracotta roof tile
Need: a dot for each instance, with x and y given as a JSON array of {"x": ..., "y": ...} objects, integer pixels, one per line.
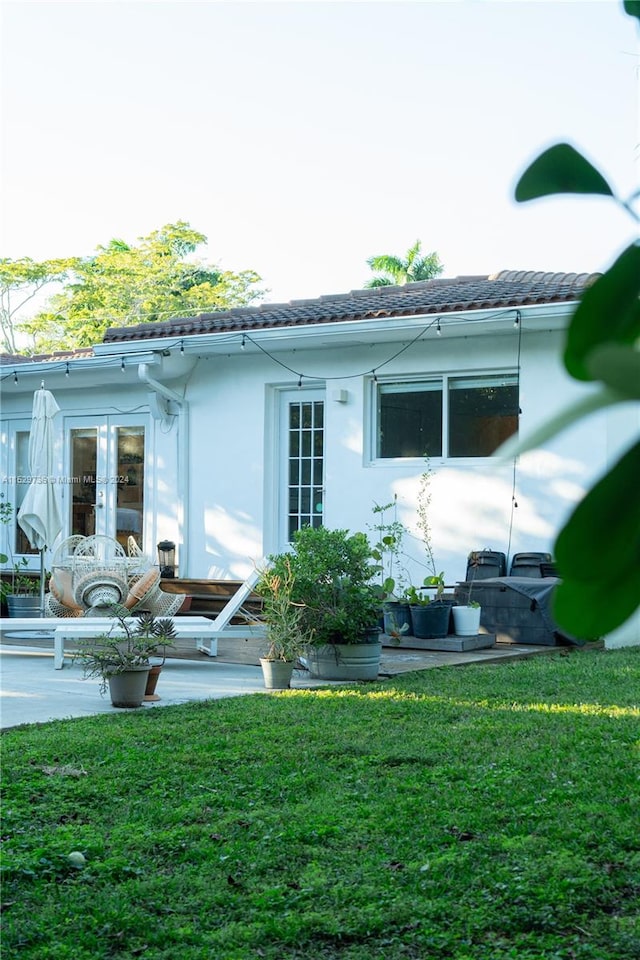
[{"x": 509, "y": 288}]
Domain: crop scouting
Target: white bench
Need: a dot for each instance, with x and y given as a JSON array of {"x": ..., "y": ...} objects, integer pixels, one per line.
[{"x": 62, "y": 629}]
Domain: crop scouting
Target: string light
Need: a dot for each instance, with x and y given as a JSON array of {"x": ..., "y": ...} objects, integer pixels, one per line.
[
  {"x": 66, "y": 373},
  {"x": 439, "y": 329},
  {"x": 375, "y": 379},
  {"x": 299, "y": 381},
  {"x": 179, "y": 344},
  {"x": 243, "y": 341}
]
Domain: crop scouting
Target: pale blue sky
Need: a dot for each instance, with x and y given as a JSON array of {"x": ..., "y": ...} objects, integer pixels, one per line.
[{"x": 304, "y": 137}]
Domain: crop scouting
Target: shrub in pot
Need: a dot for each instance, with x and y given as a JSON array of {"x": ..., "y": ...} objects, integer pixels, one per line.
[{"x": 332, "y": 572}]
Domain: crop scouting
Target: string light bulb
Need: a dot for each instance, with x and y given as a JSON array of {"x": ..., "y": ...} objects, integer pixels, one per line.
[
  {"x": 15, "y": 377},
  {"x": 243, "y": 341},
  {"x": 66, "y": 372},
  {"x": 182, "y": 347},
  {"x": 438, "y": 329},
  {"x": 122, "y": 364},
  {"x": 516, "y": 322},
  {"x": 299, "y": 381}
]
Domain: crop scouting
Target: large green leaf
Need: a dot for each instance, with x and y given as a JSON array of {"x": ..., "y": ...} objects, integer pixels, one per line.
[
  {"x": 609, "y": 312},
  {"x": 632, "y": 7},
  {"x": 618, "y": 366},
  {"x": 560, "y": 169},
  {"x": 598, "y": 400},
  {"x": 598, "y": 554}
]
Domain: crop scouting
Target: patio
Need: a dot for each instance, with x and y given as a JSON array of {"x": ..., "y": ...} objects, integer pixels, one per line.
[{"x": 32, "y": 691}]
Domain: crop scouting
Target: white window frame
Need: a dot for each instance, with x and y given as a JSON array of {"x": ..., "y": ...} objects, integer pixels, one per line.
[{"x": 417, "y": 380}]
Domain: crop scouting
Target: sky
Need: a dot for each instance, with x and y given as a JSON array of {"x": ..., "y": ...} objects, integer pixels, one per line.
[{"x": 304, "y": 137}]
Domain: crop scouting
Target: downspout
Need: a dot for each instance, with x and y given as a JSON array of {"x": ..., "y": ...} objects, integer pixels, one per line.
[{"x": 183, "y": 460}]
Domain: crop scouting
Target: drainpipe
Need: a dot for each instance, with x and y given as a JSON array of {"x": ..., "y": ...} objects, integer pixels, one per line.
[{"x": 183, "y": 460}]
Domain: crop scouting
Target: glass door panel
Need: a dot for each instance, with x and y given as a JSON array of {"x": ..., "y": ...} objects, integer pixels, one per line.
[
  {"x": 107, "y": 479},
  {"x": 21, "y": 543},
  {"x": 84, "y": 466},
  {"x": 129, "y": 486},
  {"x": 303, "y": 444}
]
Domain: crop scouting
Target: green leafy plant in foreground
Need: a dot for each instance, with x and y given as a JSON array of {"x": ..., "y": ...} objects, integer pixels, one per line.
[
  {"x": 602, "y": 346},
  {"x": 484, "y": 813}
]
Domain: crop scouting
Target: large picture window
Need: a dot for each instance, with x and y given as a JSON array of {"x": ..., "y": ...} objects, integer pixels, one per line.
[{"x": 445, "y": 417}]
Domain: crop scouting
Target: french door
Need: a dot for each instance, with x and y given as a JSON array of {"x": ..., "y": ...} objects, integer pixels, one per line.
[
  {"x": 302, "y": 465},
  {"x": 107, "y": 476}
]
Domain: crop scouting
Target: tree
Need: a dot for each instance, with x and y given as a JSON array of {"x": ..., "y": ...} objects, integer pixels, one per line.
[
  {"x": 397, "y": 271},
  {"x": 20, "y": 281},
  {"x": 603, "y": 347},
  {"x": 122, "y": 285}
]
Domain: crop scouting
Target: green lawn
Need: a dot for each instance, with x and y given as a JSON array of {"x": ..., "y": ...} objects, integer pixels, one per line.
[{"x": 478, "y": 813}]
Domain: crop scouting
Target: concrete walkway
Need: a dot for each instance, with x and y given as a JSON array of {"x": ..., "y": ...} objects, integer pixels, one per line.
[{"x": 31, "y": 691}]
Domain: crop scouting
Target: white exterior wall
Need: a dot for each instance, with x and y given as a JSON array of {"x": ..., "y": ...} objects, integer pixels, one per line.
[
  {"x": 233, "y": 400},
  {"x": 213, "y": 467}
]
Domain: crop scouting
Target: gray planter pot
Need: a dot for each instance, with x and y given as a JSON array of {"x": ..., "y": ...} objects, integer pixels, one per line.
[
  {"x": 345, "y": 661},
  {"x": 25, "y": 605},
  {"x": 128, "y": 689},
  {"x": 277, "y": 673}
]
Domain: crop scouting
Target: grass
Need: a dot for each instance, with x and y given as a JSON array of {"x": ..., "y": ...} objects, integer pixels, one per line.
[{"x": 484, "y": 813}]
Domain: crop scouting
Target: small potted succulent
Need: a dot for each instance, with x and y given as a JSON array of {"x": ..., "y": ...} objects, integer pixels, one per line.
[{"x": 121, "y": 657}]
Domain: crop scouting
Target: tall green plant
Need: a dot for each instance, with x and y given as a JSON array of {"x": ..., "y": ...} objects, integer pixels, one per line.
[
  {"x": 602, "y": 347},
  {"x": 387, "y": 550},
  {"x": 434, "y": 578}
]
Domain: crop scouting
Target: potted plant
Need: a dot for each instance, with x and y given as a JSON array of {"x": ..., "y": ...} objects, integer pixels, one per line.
[
  {"x": 466, "y": 616},
  {"x": 120, "y": 658},
  {"x": 387, "y": 551},
  {"x": 287, "y": 635},
  {"x": 430, "y": 610},
  {"x": 21, "y": 592},
  {"x": 332, "y": 572}
]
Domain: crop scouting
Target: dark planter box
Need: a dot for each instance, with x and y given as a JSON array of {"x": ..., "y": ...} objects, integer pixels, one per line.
[{"x": 512, "y": 616}]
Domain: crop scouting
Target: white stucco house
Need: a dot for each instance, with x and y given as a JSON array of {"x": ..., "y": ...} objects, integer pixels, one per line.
[{"x": 226, "y": 431}]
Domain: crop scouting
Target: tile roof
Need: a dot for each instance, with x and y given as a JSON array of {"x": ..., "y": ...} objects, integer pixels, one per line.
[
  {"x": 510, "y": 288},
  {"x": 14, "y": 358}
]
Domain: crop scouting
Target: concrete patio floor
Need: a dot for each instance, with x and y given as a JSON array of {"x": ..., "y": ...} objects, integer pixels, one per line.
[{"x": 31, "y": 691}]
